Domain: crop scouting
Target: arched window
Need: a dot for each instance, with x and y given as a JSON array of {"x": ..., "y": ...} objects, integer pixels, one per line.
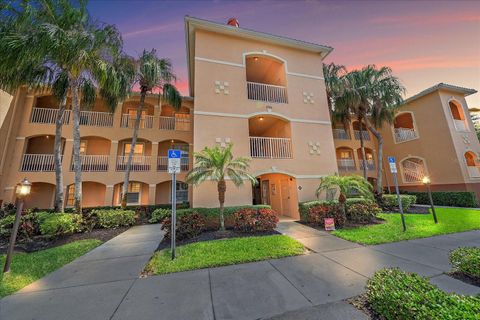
[
  {"x": 345, "y": 159},
  {"x": 458, "y": 115},
  {"x": 471, "y": 161},
  {"x": 413, "y": 169},
  {"x": 404, "y": 127}
]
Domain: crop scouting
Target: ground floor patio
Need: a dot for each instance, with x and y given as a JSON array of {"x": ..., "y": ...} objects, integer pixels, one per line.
[{"x": 105, "y": 283}]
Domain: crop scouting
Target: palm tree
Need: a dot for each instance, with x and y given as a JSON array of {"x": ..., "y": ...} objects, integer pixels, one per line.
[
  {"x": 217, "y": 164},
  {"x": 150, "y": 73},
  {"x": 345, "y": 184},
  {"x": 334, "y": 76}
]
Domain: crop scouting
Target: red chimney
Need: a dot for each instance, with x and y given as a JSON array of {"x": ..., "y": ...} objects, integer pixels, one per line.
[{"x": 233, "y": 22}]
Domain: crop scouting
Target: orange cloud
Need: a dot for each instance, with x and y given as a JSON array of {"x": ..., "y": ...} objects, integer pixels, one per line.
[{"x": 442, "y": 18}]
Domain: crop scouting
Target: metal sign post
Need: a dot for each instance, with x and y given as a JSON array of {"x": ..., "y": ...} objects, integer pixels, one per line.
[
  {"x": 174, "y": 157},
  {"x": 393, "y": 170}
]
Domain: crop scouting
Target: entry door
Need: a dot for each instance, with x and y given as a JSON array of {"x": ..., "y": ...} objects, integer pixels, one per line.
[
  {"x": 265, "y": 192},
  {"x": 285, "y": 193}
]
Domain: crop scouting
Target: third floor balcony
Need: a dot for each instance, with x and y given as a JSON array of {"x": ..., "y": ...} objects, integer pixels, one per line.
[{"x": 266, "y": 79}]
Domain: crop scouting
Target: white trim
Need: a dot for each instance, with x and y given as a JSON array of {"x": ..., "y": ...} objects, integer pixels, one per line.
[
  {"x": 250, "y": 115},
  {"x": 305, "y": 75},
  {"x": 263, "y": 53},
  {"x": 20, "y": 138},
  {"x": 293, "y": 175},
  {"x": 220, "y": 62}
]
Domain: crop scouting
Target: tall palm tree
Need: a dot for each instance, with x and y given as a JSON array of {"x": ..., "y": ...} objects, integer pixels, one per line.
[
  {"x": 217, "y": 164},
  {"x": 151, "y": 73},
  {"x": 334, "y": 76},
  {"x": 345, "y": 184}
]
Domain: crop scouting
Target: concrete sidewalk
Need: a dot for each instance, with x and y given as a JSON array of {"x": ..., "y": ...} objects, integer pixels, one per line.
[{"x": 104, "y": 284}]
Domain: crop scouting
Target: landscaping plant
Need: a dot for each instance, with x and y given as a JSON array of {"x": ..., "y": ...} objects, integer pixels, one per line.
[
  {"x": 318, "y": 213},
  {"x": 160, "y": 214},
  {"x": 217, "y": 164},
  {"x": 111, "y": 219},
  {"x": 253, "y": 220},
  {"x": 467, "y": 261},
  {"x": 447, "y": 198},
  {"x": 188, "y": 226},
  {"x": 396, "y": 295},
  {"x": 362, "y": 212},
  {"x": 58, "y": 224},
  {"x": 390, "y": 202}
]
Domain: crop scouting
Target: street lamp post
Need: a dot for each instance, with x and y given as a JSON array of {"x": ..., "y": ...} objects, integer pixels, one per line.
[
  {"x": 426, "y": 181},
  {"x": 22, "y": 190}
]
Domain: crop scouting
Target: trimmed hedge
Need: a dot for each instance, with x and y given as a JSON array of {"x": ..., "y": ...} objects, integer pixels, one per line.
[
  {"x": 110, "y": 219},
  {"x": 304, "y": 207},
  {"x": 362, "y": 212},
  {"x": 57, "y": 224},
  {"x": 390, "y": 202},
  {"x": 394, "y": 295},
  {"x": 253, "y": 220},
  {"x": 188, "y": 225},
  {"x": 447, "y": 198},
  {"x": 318, "y": 213},
  {"x": 160, "y": 214},
  {"x": 467, "y": 261}
]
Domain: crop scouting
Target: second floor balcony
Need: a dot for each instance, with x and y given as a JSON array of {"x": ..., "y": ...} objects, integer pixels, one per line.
[
  {"x": 340, "y": 134},
  {"x": 346, "y": 164},
  {"x": 38, "y": 162},
  {"x": 266, "y": 92},
  {"x": 271, "y": 148}
]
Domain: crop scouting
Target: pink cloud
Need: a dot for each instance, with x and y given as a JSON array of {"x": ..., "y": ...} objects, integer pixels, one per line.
[
  {"x": 170, "y": 27},
  {"x": 441, "y": 18}
]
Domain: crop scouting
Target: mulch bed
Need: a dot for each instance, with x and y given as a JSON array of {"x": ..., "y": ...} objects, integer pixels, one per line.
[
  {"x": 215, "y": 235},
  {"x": 41, "y": 243},
  {"x": 361, "y": 303},
  {"x": 463, "y": 277}
]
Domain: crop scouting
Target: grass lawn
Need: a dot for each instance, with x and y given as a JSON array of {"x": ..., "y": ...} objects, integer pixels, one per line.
[
  {"x": 418, "y": 226},
  {"x": 28, "y": 267},
  {"x": 216, "y": 253}
]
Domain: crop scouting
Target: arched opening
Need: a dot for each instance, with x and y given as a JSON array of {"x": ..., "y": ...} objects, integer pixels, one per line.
[
  {"x": 137, "y": 193},
  {"x": 171, "y": 119},
  {"x": 163, "y": 194},
  {"x": 369, "y": 159},
  {"x": 345, "y": 159},
  {"x": 266, "y": 78},
  {"x": 94, "y": 154},
  {"x": 340, "y": 132},
  {"x": 458, "y": 115},
  {"x": 162, "y": 157},
  {"x": 93, "y": 194},
  {"x": 404, "y": 127},
  {"x": 356, "y": 130},
  {"x": 270, "y": 137},
  {"x": 39, "y": 154},
  {"x": 279, "y": 191},
  {"x": 46, "y": 108},
  {"x": 142, "y": 155},
  {"x": 129, "y": 115},
  {"x": 471, "y": 161},
  {"x": 413, "y": 169},
  {"x": 41, "y": 196}
]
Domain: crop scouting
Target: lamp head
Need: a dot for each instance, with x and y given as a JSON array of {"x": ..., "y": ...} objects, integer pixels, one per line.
[
  {"x": 426, "y": 180},
  {"x": 24, "y": 188}
]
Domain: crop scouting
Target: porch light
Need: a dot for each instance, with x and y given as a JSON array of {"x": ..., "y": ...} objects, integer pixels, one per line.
[
  {"x": 426, "y": 180},
  {"x": 261, "y": 119},
  {"x": 256, "y": 58},
  {"x": 23, "y": 188}
]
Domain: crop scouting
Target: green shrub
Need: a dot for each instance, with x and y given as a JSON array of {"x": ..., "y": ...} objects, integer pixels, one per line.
[
  {"x": 447, "y": 198},
  {"x": 359, "y": 200},
  {"x": 362, "y": 212},
  {"x": 304, "y": 207},
  {"x": 396, "y": 295},
  {"x": 6, "y": 225},
  {"x": 158, "y": 215},
  {"x": 467, "y": 261},
  {"x": 57, "y": 224},
  {"x": 390, "y": 202},
  {"x": 253, "y": 220},
  {"x": 318, "y": 213},
  {"x": 111, "y": 219},
  {"x": 188, "y": 225}
]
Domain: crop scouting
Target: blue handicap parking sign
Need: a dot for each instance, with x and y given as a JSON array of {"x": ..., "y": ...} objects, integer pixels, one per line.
[
  {"x": 174, "y": 154},
  {"x": 391, "y": 159}
]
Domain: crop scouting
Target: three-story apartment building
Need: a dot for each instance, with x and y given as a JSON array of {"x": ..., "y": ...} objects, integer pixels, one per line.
[{"x": 261, "y": 92}]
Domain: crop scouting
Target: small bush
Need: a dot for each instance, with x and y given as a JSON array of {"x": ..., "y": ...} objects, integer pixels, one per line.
[
  {"x": 7, "y": 209},
  {"x": 362, "y": 212},
  {"x": 158, "y": 215},
  {"x": 304, "y": 207},
  {"x": 111, "y": 219},
  {"x": 57, "y": 224},
  {"x": 448, "y": 198},
  {"x": 390, "y": 202},
  {"x": 188, "y": 226},
  {"x": 466, "y": 261},
  {"x": 318, "y": 213},
  {"x": 252, "y": 220},
  {"x": 6, "y": 225},
  {"x": 394, "y": 294}
]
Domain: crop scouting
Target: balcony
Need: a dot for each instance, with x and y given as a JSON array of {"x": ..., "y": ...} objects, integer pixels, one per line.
[
  {"x": 346, "y": 164},
  {"x": 162, "y": 164},
  {"x": 413, "y": 170},
  {"x": 139, "y": 163},
  {"x": 270, "y": 148},
  {"x": 128, "y": 121},
  {"x": 38, "y": 163},
  {"x": 93, "y": 163},
  {"x": 48, "y": 116},
  {"x": 340, "y": 134},
  {"x": 266, "y": 92},
  {"x": 177, "y": 123},
  {"x": 405, "y": 134},
  {"x": 365, "y": 135},
  {"x": 96, "y": 119},
  {"x": 370, "y": 164}
]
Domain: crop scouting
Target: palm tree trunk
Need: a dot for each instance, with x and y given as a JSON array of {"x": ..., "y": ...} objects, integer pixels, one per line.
[
  {"x": 132, "y": 148},
  {"x": 362, "y": 147},
  {"x": 379, "y": 138},
  {"x": 59, "y": 195},
  {"x": 222, "y": 188},
  {"x": 77, "y": 166}
]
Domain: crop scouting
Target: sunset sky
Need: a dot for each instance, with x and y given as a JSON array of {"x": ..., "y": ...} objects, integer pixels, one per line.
[{"x": 424, "y": 42}]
